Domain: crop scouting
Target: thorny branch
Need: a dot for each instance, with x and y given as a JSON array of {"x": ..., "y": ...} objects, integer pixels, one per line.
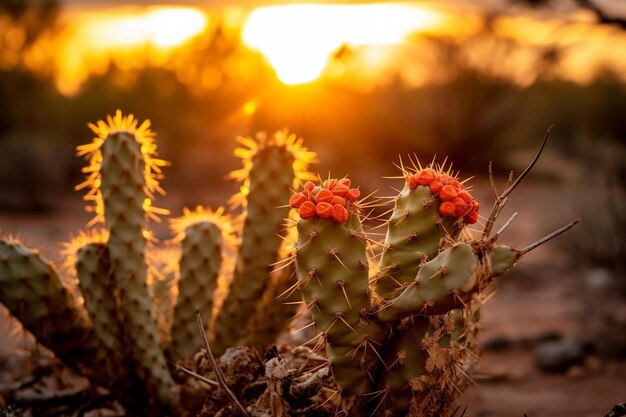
[{"x": 216, "y": 370}]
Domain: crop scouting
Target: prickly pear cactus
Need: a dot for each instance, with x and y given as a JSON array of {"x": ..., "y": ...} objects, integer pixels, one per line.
[{"x": 411, "y": 345}]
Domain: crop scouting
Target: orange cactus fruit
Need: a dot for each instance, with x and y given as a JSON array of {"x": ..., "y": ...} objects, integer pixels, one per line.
[
  {"x": 338, "y": 200},
  {"x": 307, "y": 210},
  {"x": 461, "y": 207},
  {"x": 447, "y": 209},
  {"x": 426, "y": 176},
  {"x": 353, "y": 194},
  {"x": 471, "y": 217},
  {"x": 345, "y": 181},
  {"x": 341, "y": 190},
  {"x": 412, "y": 182},
  {"x": 435, "y": 187},
  {"x": 465, "y": 196},
  {"x": 447, "y": 193},
  {"x": 324, "y": 196},
  {"x": 324, "y": 210},
  {"x": 329, "y": 184},
  {"x": 297, "y": 200},
  {"x": 340, "y": 215},
  {"x": 308, "y": 186}
]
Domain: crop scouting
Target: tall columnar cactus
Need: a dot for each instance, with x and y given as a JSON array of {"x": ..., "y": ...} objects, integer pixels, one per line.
[
  {"x": 429, "y": 285},
  {"x": 272, "y": 166},
  {"x": 204, "y": 235},
  {"x": 123, "y": 174}
]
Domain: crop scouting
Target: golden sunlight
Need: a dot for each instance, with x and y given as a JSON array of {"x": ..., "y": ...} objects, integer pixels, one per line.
[
  {"x": 126, "y": 33},
  {"x": 298, "y": 40},
  {"x": 160, "y": 26}
]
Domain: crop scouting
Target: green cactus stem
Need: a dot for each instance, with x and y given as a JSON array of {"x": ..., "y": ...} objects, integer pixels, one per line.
[
  {"x": 203, "y": 234},
  {"x": 332, "y": 270},
  {"x": 432, "y": 206},
  {"x": 89, "y": 254},
  {"x": 124, "y": 173},
  {"x": 33, "y": 292},
  {"x": 272, "y": 167},
  {"x": 452, "y": 270}
]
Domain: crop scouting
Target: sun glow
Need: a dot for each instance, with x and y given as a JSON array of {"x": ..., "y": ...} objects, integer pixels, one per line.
[
  {"x": 160, "y": 26},
  {"x": 298, "y": 40}
]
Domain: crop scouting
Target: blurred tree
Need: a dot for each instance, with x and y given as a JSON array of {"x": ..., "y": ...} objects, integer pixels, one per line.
[{"x": 602, "y": 15}]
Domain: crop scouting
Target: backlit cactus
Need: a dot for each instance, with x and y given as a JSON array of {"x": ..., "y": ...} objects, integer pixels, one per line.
[
  {"x": 117, "y": 338},
  {"x": 272, "y": 167},
  {"x": 420, "y": 328},
  {"x": 204, "y": 235},
  {"x": 399, "y": 333}
]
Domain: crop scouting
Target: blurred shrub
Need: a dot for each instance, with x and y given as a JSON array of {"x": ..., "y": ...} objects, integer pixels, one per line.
[{"x": 600, "y": 241}]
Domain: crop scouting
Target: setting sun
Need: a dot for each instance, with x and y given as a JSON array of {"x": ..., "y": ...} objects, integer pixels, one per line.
[{"x": 299, "y": 39}]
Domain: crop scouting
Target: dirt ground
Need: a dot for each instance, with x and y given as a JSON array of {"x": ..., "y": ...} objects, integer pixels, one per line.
[{"x": 545, "y": 298}]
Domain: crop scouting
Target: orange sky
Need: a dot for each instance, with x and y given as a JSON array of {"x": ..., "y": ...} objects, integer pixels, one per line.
[{"x": 290, "y": 38}]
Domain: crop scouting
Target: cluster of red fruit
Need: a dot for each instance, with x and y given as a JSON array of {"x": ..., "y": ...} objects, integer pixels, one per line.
[
  {"x": 328, "y": 201},
  {"x": 455, "y": 200}
]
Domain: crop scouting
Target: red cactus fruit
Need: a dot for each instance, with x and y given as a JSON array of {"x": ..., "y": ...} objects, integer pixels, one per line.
[
  {"x": 297, "y": 199},
  {"x": 471, "y": 218},
  {"x": 341, "y": 190},
  {"x": 353, "y": 194},
  {"x": 324, "y": 196},
  {"x": 324, "y": 210},
  {"x": 426, "y": 176},
  {"x": 308, "y": 186},
  {"x": 447, "y": 209},
  {"x": 461, "y": 207},
  {"x": 447, "y": 193},
  {"x": 435, "y": 186},
  {"x": 340, "y": 214},
  {"x": 338, "y": 200},
  {"x": 307, "y": 210},
  {"x": 345, "y": 181},
  {"x": 329, "y": 184},
  {"x": 454, "y": 198}
]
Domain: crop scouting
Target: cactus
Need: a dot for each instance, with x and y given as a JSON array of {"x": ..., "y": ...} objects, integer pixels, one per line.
[
  {"x": 132, "y": 323},
  {"x": 203, "y": 234},
  {"x": 272, "y": 166},
  {"x": 33, "y": 292},
  {"x": 399, "y": 336},
  {"x": 124, "y": 176},
  {"x": 431, "y": 280},
  {"x": 88, "y": 254}
]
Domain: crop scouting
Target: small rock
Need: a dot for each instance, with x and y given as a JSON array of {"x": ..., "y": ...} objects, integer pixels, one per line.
[
  {"x": 559, "y": 356},
  {"x": 497, "y": 343},
  {"x": 599, "y": 279},
  {"x": 576, "y": 372}
]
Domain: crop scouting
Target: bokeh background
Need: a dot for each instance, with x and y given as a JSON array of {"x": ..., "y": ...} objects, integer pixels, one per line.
[{"x": 364, "y": 83}]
